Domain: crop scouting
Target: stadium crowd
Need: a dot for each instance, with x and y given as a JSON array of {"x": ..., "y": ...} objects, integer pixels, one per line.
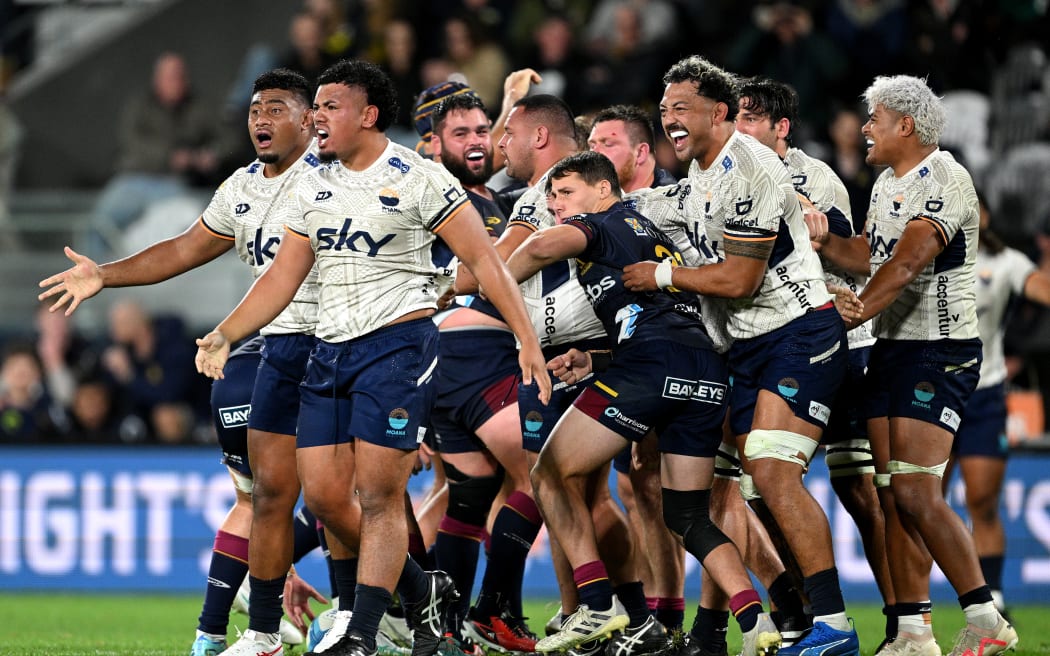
[{"x": 712, "y": 301}]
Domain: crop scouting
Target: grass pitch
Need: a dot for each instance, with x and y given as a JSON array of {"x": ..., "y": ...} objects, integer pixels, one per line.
[{"x": 36, "y": 624}]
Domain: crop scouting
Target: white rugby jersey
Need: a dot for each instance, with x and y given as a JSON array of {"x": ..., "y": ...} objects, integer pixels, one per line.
[
  {"x": 251, "y": 210},
  {"x": 558, "y": 305},
  {"x": 747, "y": 193},
  {"x": 999, "y": 276},
  {"x": 940, "y": 303},
  {"x": 816, "y": 181},
  {"x": 372, "y": 233},
  {"x": 662, "y": 206}
]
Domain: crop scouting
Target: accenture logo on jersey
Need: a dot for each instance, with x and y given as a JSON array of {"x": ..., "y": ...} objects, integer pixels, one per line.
[{"x": 359, "y": 241}]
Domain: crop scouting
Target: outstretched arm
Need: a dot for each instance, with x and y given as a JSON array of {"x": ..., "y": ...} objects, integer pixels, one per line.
[
  {"x": 161, "y": 261},
  {"x": 544, "y": 247},
  {"x": 466, "y": 237},
  {"x": 271, "y": 293}
]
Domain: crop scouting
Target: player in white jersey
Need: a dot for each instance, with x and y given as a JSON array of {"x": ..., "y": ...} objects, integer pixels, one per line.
[
  {"x": 980, "y": 449},
  {"x": 369, "y": 221},
  {"x": 246, "y": 213},
  {"x": 790, "y": 350},
  {"x": 769, "y": 112},
  {"x": 922, "y": 234}
]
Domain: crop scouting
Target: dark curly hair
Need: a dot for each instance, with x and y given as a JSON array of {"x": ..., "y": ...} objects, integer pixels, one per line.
[
  {"x": 711, "y": 82},
  {"x": 285, "y": 80},
  {"x": 774, "y": 99},
  {"x": 377, "y": 85}
]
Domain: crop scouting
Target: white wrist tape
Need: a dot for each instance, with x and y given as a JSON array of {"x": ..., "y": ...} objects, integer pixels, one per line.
[{"x": 664, "y": 271}]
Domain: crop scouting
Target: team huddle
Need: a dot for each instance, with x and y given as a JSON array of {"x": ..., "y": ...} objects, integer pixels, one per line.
[{"x": 702, "y": 336}]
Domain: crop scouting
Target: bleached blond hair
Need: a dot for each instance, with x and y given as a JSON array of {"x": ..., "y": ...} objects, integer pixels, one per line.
[{"x": 910, "y": 96}]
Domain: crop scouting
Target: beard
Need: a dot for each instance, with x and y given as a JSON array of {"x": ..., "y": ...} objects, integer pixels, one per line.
[
  {"x": 328, "y": 157},
  {"x": 466, "y": 176},
  {"x": 269, "y": 158}
]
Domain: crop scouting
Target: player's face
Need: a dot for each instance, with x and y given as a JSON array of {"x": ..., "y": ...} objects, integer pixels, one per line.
[
  {"x": 687, "y": 120},
  {"x": 465, "y": 146},
  {"x": 278, "y": 124},
  {"x": 341, "y": 114},
  {"x": 882, "y": 132},
  {"x": 758, "y": 125},
  {"x": 517, "y": 145},
  {"x": 610, "y": 138},
  {"x": 570, "y": 196}
]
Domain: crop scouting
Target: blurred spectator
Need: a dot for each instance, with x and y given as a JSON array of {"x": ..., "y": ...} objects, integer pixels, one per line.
[
  {"x": 10, "y": 141},
  {"x": 167, "y": 139},
  {"x": 947, "y": 45},
  {"x": 482, "y": 63},
  {"x": 305, "y": 52},
  {"x": 27, "y": 413},
  {"x": 656, "y": 24},
  {"x": 64, "y": 354},
  {"x": 401, "y": 62},
  {"x": 626, "y": 69},
  {"x": 847, "y": 159},
  {"x": 151, "y": 360},
  {"x": 339, "y": 37},
  {"x": 872, "y": 34},
  {"x": 781, "y": 44},
  {"x": 92, "y": 415},
  {"x": 557, "y": 58}
]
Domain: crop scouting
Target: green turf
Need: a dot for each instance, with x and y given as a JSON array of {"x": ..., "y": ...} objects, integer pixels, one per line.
[{"x": 35, "y": 624}]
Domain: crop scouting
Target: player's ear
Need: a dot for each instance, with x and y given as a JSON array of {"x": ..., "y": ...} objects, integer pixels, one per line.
[
  {"x": 435, "y": 146},
  {"x": 371, "y": 115},
  {"x": 542, "y": 136}
]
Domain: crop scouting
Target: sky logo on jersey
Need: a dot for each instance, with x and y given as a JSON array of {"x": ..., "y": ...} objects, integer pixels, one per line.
[
  {"x": 241, "y": 208},
  {"x": 924, "y": 393},
  {"x": 533, "y": 421},
  {"x": 399, "y": 165},
  {"x": 398, "y": 419},
  {"x": 322, "y": 196},
  {"x": 788, "y": 387},
  {"x": 727, "y": 163},
  {"x": 359, "y": 241},
  {"x": 261, "y": 252},
  {"x": 389, "y": 197},
  {"x": 235, "y": 415}
]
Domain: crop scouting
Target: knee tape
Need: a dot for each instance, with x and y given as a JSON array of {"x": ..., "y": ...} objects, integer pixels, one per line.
[
  {"x": 687, "y": 514},
  {"x": 899, "y": 467},
  {"x": 748, "y": 489},
  {"x": 471, "y": 497},
  {"x": 240, "y": 481},
  {"x": 882, "y": 480},
  {"x": 780, "y": 445},
  {"x": 849, "y": 458},
  {"x": 727, "y": 462}
]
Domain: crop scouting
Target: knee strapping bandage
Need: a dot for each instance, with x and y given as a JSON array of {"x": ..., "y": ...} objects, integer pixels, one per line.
[
  {"x": 899, "y": 467},
  {"x": 240, "y": 481},
  {"x": 470, "y": 497},
  {"x": 849, "y": 458},
  {"x": 780, "y": 445},
  {"x": 747, "y": 488},
  {"x": 687, "y": 514}
]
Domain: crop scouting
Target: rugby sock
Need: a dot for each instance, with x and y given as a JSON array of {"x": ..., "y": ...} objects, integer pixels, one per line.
[
  {"x": 372, "y": 602},
  {"x": 229, "y": 566},
  {"x": 265, "y": 604},
  {"x": 890, "y": 611},
  {"x": 417, "y": 549},
  {"x": 413, "y": 584},
  {"x": 915, "y": 618},
  {"x": 710, "y": 628},
  {"x": 514, "y": 530},
  {"x": 344, "y": 570},
  {"x": 632, "y": 596},
  {"x": 992, "y": 568},
  {"x": 304, "y": 530},
  {"x": 593, "y": 584},
  {"x": 979, "y": 608},
  {"x": 825, "y": 597},
  {"x": 670, "y": 611},
  {"x": 746, "y": 606},
  {"x": 322, "y": 539},
  {"x": 786, "y": 598},
  {"x": 456, "y": 552}
]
